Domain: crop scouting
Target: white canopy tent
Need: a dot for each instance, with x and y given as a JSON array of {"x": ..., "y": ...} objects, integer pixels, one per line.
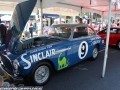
[
  {"x": 6, "y": 18},
  {"x": 58, "y": 19},
  {"x": 101, "y": 7},
  {"x": 97, "y": 6}
]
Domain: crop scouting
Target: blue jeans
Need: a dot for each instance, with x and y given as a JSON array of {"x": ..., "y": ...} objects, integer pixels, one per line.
[{"x": 31, "y": 33}]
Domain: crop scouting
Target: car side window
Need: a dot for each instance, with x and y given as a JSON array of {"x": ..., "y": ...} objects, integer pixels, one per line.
[
  {"x": 104, "y": 31},
  {"x": 80, "y": 31},
  {"x": 112, "y": 31},
  {"x": 63, "y": 32},
  {"x": 91, "y": 32}
]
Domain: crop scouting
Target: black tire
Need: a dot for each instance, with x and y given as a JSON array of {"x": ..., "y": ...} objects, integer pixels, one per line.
[
  {"x": 118, "y": 44},
  {"x": 95, "y": 51},
  {"x": 31, "y": 77}
]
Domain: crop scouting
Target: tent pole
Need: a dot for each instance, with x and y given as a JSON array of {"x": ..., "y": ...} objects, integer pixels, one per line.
[
  {"x": 81, "y": 13},
  {"x": 107, "y": 38},
  {"x": 41, "y": 19},
  {"x": 102, "y": 18}
]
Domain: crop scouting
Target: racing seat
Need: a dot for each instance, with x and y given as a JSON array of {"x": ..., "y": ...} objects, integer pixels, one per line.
[{"x": 65, "y": 35}]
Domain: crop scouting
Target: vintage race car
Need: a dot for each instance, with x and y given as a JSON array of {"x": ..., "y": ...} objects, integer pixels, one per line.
[
  {"x": 114, "y": 39},
  {"x": 36, "y": 58}
]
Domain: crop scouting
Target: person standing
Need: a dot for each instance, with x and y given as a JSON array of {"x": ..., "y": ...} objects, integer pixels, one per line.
[
  {"x": 3, "y": 31},
  {"x": 39, "y": 27},
  {"x": 80, "y": 21},
  {"x": 31, "y": 28},
  {"x": 26, "y": 30},
  {"x": 114, "y": 24},
  {"x": 55, "y": 22}
]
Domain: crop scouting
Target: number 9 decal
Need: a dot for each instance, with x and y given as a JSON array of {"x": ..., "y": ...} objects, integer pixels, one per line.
[{"x": 83, "y": 49}]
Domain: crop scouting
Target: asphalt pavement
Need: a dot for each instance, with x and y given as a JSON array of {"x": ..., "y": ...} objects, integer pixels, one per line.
[{"x": 87, "y": 74}]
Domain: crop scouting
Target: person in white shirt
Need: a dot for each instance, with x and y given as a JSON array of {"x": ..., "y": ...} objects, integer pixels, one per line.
[
  {"x": 26, "y": 30},
  {"x": 55, "y": 22},
  {"x": 39, "y": 27},
  {"x": 114, "y": 24}
]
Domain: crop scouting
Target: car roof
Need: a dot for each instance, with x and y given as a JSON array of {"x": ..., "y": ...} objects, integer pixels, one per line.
[
  {"x": 113, "y": 28},
  {"x": 82, "y": 24}
]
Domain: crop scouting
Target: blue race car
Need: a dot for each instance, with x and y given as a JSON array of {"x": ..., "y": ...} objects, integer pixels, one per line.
[{"x": 36, "y": 58}]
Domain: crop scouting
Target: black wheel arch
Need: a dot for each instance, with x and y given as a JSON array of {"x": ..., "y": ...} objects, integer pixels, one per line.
[
  {"x": 98, "y": 46},
  {"x": 48, "y": 61}
]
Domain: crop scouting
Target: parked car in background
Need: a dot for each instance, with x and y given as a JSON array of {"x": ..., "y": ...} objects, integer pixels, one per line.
[{"x": 114, "y": 39}]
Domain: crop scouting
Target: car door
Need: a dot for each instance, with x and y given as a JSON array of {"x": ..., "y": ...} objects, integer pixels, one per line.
[
  {"x": 115, "y": 36},
  {"x": 63, "y": 55},
  {"x": 64, "y": 48},
  {"x": 81, "y": 44},
  {"x": 113, "y": 32},
  {"x": 103, "y": 34}
]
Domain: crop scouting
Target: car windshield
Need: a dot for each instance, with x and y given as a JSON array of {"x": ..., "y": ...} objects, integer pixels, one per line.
[{"x": 61, "y": 31}]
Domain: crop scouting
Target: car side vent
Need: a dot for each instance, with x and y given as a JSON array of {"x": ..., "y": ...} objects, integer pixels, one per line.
[
  {"x": 28, "y": 44},
  {"x": 24, "y": 47}
]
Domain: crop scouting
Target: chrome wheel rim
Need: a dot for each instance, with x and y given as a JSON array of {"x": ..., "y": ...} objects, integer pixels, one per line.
[
  {"x": 95, "y": 52},
  {"x": 41, "y": 74}
]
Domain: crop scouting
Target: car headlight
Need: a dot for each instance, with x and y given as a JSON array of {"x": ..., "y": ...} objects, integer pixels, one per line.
[
  {"x": 103, "y": 41},
  {"x": 16, "y": 64}
]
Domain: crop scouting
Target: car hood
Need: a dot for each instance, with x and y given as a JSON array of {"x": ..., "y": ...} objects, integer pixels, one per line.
[{"x": 19, "y": 19}]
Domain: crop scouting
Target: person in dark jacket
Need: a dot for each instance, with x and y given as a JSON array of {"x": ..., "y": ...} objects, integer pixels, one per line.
[
  {"x": 80, "y": 21},
  {"x": 31, "y": 27},
  {"x": 3, "y": 31},
  {"x": 8, "y": 38}
]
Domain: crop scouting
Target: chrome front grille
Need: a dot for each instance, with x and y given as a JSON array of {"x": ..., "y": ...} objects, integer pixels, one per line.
[{"x": 6, "y": 64}]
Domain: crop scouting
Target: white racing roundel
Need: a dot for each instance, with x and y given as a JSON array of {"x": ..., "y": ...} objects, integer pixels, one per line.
[{"x": 83, "y": 49}]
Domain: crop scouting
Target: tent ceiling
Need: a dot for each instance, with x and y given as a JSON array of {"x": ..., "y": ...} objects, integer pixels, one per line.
[
  {"x": 89, "y": 3},
  {"x": 96, "y": 6}
]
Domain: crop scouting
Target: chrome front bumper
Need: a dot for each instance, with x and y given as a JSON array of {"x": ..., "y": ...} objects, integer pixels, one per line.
[{"x": 10, "y": 77}]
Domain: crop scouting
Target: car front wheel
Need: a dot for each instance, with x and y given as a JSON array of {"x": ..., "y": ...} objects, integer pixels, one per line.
[
  {"x": 41, "y": 74},
  {"x": 95, "y": 53}
]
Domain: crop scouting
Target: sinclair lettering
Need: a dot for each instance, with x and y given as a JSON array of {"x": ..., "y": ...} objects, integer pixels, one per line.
[{"x": 36, "y": 57}]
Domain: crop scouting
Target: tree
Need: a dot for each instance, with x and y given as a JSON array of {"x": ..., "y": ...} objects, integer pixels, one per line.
[{"x": 84, "y": 13}]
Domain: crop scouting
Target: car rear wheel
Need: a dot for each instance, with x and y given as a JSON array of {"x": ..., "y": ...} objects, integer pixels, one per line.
[
  {"x": 118, "y": 44},
  {"x": 41, "y": 74},
  {"x": 95, "y": 53}
]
